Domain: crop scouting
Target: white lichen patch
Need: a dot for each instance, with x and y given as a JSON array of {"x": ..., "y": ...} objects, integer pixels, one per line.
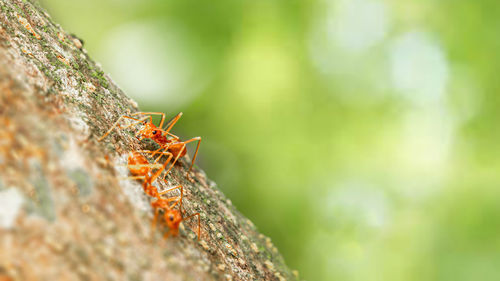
[
  {"x": 204, "y": 245},
  {"x": 27, "y": 50},
  {"x": 54, "y": 244},
  {"x": 269, "y": 265},
  {"x": 134, "y": 193},
  {"x": 279, "y": 276},
  {"x": 254, "y": 248},
  {"x": 72, "y": 158},
  {"x": 70, "y": 85},
  {"x": 77, "y": 43},
  {"x": 269, "y": 244},
  {"x": 221, "y": 267},
  {"x": 133, "y": 103},
  {"x": 230, "y": 249},
  {"x": 11, "y": 201},
  {"x": 212, "y": 227},
  {"x": 90, "y": 87},
  {"x": 60, "y": 35},
  {"x": 59, "y": 50},
  {"x": 78, "y": 124}
]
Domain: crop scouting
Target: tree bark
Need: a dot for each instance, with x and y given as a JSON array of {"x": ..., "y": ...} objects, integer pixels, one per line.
[{"x": 66, "y": 211}]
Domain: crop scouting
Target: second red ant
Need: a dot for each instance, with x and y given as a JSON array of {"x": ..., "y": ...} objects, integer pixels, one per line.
[{"x": 141, "y": 169}]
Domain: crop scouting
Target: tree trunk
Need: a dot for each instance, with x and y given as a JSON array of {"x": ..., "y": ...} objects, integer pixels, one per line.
[{"x": 66, "y": 211}]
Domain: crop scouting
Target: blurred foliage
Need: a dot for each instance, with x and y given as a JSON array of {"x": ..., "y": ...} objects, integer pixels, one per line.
[{"x": 360, "y": 135}]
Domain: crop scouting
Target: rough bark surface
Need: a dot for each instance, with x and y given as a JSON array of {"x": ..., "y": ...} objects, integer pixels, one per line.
[{"x": 65, "y": 211}]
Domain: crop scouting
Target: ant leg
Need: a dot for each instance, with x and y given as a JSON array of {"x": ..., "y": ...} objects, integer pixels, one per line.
[
  {"x": 175, "y": 160},
  {"x": 176, "y": 199},
  {"x": 181, "y": 189},
  {"x": 152, "y": 113},
  {"x": 133, "y": 178},
  {"x": 199, "y": 222},
  {"x": 172, "y": 122},
  {"x": 195, "y": 153},
  {"x": 170, "y": 155},
  {"x": 135, "y": 123},
  {"x": 176, "y": 138},
  {"x": 164, "y": 152},
  {"x": 153, "y": 223},
  {"x": 117, "y": 123},
  {"x": 157, "y": 173},
  {"x": 154, "y": 152}
]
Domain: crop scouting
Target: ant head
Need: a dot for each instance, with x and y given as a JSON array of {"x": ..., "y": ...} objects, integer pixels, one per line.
[
  {"x": 173, "y": 218},
  {"x": 149, "y": 130}
]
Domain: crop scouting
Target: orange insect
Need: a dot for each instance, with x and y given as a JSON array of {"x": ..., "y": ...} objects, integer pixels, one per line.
[
  {"x": 141, "y": 168},
  {"x": 172, "y": 145},
  {"x": 173, "y": 217}
]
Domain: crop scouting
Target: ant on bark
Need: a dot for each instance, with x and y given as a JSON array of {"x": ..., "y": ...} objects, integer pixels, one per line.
[
  {"x": 172, "y": 145},
  {"x": 173, "y": 217},
  {"x": 141, "y": 168}
]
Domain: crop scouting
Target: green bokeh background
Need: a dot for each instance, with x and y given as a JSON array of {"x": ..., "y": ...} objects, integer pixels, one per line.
[{"x": 360, "y": 135}]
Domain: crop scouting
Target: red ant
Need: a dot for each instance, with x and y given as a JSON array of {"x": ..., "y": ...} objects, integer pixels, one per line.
[
  {"x": 140, "y": 168},
  {"x": 173, "y": 217},
  {"x": 174, "y": 145}
]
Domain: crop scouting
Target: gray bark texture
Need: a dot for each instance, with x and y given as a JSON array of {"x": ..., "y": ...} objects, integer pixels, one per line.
[{"x": 66, "y": 210}]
